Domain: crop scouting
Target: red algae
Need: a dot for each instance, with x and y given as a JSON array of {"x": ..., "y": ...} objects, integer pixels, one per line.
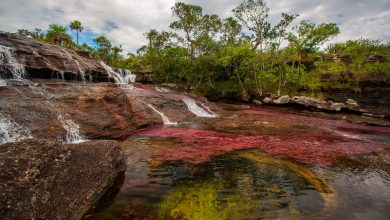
[{"x": 199, "y": 146}]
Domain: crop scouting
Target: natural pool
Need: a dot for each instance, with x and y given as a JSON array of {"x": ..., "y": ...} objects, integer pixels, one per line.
[{"x": 255, "y": 163}]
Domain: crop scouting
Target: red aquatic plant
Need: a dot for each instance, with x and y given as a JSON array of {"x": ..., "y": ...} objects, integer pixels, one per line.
[{"x": 311, "y": 147}]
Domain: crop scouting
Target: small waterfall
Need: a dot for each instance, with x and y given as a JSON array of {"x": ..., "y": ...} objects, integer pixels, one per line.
[
  {"x": 197, "y": 110},
  {"x": 81, "y": 72},
  {"x": 123, "y": 77},
  {"x": 73, "y": 133},
  {"x": 3, "y": 83},
  {"x": 62, "y": 75},
  {"x": 10, "y": 131},
  {"x": 165, "y": 119},
  {"x": 9, "y": 63},
  {"x": 162, "y": 89}
]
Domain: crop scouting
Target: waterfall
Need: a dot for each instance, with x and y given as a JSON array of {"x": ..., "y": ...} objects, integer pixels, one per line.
[
  {"x": 2, "y": 83},
  {"x": 81, "y": 72},
  {"x": 10, "y": 131},
  {"x": 123, "y": 77},
  {"x": 73, "y": 133},
  {"x": 62, "y": 75},
  {"x": 197, "y": 110},
  {"x": 165, "y": 119},
  {"x": 9, "y": 63}
]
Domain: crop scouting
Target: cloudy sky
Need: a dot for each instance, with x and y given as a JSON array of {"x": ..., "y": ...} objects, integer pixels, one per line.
[{"x": 125, "y": 21}]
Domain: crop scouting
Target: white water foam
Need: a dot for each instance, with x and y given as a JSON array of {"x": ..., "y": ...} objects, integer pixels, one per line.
[
  {"x": 3, "y": 83},
  {"x": 197, "y": 110},
  {"x": 165, "y": 119},
  {"x": 73, "y": 135},
  {"x": 10, "y": 131},
  {"x": 123, "y": 77},
  {"x": 9, "y": 63}
]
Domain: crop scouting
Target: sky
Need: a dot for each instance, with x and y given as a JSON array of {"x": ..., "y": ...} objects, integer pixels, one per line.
[{"x": 123, "y": 22}]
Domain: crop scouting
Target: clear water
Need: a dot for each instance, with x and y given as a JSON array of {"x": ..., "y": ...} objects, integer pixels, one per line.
[{"x": 254, "y": 163}]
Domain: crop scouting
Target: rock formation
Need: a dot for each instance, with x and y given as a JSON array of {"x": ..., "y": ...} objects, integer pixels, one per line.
[{"x": 42, "y": 179}]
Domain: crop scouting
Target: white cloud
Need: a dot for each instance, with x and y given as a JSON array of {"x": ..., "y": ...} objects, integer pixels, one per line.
[{"x": 125, "y": 21}]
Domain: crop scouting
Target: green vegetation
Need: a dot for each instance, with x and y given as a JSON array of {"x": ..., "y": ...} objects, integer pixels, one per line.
[
  {"x": 244, "y": 56},
  {"x": 76, "y": 25}
]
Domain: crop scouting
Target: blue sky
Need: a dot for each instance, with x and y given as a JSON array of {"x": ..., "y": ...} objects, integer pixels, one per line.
[{"x": 125, "y": 21}]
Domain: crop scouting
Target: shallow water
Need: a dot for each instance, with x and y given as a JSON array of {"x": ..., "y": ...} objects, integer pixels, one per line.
[{"x": 254, "y": 163}]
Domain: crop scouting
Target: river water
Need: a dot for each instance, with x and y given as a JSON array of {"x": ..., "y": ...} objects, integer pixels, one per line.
[{"x": 255, "y": 163}]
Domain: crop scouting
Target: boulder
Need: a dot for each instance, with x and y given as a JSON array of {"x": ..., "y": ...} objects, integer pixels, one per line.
[
  {"x": 267, "y": 100},
  {"x": 309, "y": 102},
  {"x": 43, "y": 179},
  {"x": 282, "y": 100}
]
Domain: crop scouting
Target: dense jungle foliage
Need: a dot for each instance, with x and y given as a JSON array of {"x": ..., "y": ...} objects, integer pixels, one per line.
[{"x": 241, "y": 56}]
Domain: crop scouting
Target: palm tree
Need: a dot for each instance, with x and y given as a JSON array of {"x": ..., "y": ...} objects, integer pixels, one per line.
[
  {"x": 57, "y": 34},
  {"x": 76, "y": 25}
]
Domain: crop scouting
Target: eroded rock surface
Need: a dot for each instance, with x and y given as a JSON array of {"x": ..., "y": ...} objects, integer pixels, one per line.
[
  {"x": 42, "y": 179},
  {"x": 43, "y": 60}
]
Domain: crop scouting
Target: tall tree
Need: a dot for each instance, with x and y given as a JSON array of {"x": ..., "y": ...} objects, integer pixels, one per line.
[
  {"x": 76, "y": 25},
  {"x": 253, "y": 15},
  {"x": 309, "y": 36},
  {"x": 189, "y": 20},
  {"x": 57, "y": 34}
]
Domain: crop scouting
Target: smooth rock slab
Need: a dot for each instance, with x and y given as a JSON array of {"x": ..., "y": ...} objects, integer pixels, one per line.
[{"x": 42, "y": 179}]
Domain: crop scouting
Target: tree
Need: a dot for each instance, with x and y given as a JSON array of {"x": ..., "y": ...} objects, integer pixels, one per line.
[
  {"x": 103, "y": 48},
  {"x": 230, "y": 30},
  {"x": 189, "y": 20},
  {"x": 76, "y": 25},
  {"x": 57, "y": 34},
  {"x": 309, "y": 36},
  {"x": 253, "y": 15}
]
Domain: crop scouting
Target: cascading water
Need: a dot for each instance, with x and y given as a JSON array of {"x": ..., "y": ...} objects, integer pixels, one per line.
[
  {"x": 123, "y": 77},
  {"x": 10, "y": 131},
  {"x": 9, "y": 64},
  {"x": 165, "y": 119},
  {"x": 73, "y": 135},
  {"x": 197, "y": 110}
]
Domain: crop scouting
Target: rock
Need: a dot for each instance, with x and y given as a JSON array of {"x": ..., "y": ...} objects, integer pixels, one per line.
[
  {"x": 42, "y": 179},
  {"x": 309, "y": 102},
  {"x": 342, "y": 58},
  {"x": 267, "y": 100},
  {"x": 256, "y": 102},
  {"x": 43, "y": 60},
  {"x": 100, "y": 109},
  {"x": 376, "y": 58},
  {"x": 352, "y": 104},
  {"x": 274, "y": 96},
  {"x": 336, "y": 106},
  {"x": 282, "y": 100}
]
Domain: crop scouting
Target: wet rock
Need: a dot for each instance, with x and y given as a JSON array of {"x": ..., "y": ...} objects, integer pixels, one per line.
[
  {"x": 282, "y": 100},
  {"x": 100, "y": 109},
  {"x": 43, "y": 60},
  {"x": 43, "y": 179}
]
